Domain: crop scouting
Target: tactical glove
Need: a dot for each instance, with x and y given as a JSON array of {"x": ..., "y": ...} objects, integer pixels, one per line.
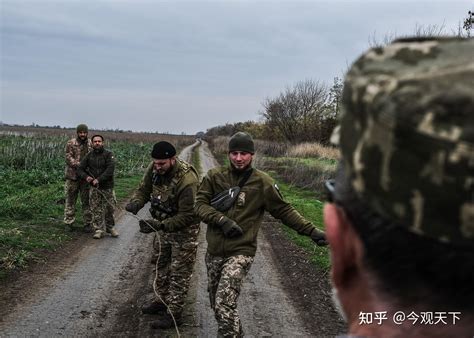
[
  {"x": 132, "y": 207},
  {"x": 149, "y": 225},
  {"x": 230, "y": 228},
  {"x": 318, "y": 237}
]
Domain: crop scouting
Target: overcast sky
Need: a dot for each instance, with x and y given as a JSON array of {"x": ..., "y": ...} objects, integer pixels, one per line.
[{"x": 184, "y": 66}]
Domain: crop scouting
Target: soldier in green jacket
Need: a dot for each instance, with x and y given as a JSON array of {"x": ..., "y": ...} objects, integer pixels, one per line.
[
  {"x": 232, "y": 234},
  {"x": 170, "y": 184},
  {"x": 97, "y": 168}
]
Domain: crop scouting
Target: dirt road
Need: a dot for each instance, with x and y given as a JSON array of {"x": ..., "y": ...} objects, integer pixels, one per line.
[{"x": 95, "y": 288}]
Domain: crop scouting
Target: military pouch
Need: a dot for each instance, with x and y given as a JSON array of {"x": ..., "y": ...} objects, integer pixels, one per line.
[{"x": 224, "y": 200}]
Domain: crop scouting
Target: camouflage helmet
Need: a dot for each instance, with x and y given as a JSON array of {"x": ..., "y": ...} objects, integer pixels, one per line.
[{"x": 407, "y": 135}]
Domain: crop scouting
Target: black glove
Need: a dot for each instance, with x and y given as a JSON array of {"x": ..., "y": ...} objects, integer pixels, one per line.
[
  {"x": 149, "y": 225},
  {"x": 230, "y": 228},
  {"x": 132, "y": 207},
  {"x": 318, "y": 237}
]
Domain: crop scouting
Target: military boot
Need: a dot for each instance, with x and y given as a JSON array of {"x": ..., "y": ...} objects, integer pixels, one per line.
[
  {"x": 112, "y": 232},
  {"x": 87, "y": 229},
  {"x": 165, "y": 321},
  {"x": 154, "y": 307},
  {"x": 98, "y": 234}
]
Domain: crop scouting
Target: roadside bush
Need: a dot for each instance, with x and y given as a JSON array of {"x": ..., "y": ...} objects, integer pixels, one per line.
[{"x": 303, "y": 174}]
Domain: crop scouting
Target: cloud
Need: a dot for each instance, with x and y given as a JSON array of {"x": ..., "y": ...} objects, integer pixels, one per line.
[{"x": 212, "y": 59}]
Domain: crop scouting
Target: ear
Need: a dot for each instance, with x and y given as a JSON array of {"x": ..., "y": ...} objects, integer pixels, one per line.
[{"x": 345, "y": 245}]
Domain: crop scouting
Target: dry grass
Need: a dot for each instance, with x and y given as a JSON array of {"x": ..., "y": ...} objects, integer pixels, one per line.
[{"x": 317, "y": 150}]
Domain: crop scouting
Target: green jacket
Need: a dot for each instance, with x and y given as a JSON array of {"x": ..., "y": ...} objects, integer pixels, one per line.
[
  {"x": 176, "y": 190},
  {"x": 260, "y": 193},
  {"x": 100, "y": 165}
]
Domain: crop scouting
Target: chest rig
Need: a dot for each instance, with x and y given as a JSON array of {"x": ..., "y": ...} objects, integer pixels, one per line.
[{"x": 164, "y": 199}]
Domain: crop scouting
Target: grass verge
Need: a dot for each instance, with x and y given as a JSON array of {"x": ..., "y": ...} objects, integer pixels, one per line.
[
  {"x": 32, "y": 220},
  {"x": 312, "y": 209}
]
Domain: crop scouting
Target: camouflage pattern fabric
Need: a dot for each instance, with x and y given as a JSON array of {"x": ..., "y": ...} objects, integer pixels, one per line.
[
  {"x": 175, "y": 266},
  {"x": 75, "y": 151},
  {"x": 407, "y": 135},
  {"x": 225, "y": 277},
  {"x": 102, "y": 205},
  {"x": 176, "y": 191},
  {"x": 71, "y": 191}
]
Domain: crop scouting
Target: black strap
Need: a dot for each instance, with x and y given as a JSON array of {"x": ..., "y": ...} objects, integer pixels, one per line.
[{"x": 245, "y": 178}]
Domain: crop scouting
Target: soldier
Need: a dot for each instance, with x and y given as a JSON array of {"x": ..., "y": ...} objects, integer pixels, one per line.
[
  {"x": 401, "y": 221},
  {"x": 170, "y": 184},
  {"x": 76, "y": 149},
  {"x": 232, "y": 200},
  {"x": 97, "y": 168}
]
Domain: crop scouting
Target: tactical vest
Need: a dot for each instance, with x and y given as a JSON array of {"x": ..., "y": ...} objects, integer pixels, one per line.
[{"x": 164, "y": 196}]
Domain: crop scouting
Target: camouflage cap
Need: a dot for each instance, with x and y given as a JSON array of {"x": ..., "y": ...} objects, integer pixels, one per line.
[
  {"x": 407, "y": 135},
  {"x": 82, "y": 128}
]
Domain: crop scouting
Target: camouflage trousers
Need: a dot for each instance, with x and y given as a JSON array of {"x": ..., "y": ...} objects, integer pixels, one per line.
[
  {"x": 177, "y": 254},
  {"x": 73, "y": 189},
  {"x": 102, "y": 203},
  {"x": 225, "y": 277}
]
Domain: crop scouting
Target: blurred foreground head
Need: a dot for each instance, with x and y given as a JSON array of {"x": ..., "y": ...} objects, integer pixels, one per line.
[
  {"x": 405, "y": 188},
  {"x": 407, "y": 135}
]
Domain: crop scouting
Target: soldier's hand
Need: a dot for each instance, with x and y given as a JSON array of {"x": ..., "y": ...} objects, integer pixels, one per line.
[
  {"x": 149, "y": 225},
  {"x": 230, "y": 228},
  {"x": 132, "y": 207},
  {"x": 318, "y": 237}
]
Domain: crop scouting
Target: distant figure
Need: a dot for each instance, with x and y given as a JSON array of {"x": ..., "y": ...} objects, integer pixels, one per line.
[
  {"x": 401, "y": 221},
  {"x": 232, "y": 200},
  {"x": 76, "y": 149},
  {"x": 97, "y": 168},
  {"x": 170, "y": 184}
]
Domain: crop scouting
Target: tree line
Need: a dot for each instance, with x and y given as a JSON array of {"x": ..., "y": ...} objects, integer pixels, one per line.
[
  {"x": 308, "y": 111},
  {"x": 305, "y": 112}
]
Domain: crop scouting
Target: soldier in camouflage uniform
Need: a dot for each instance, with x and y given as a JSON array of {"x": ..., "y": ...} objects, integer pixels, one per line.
[
  {"x": 76, "y": 149},
  {"x": 97, "y": 168},
  {"x": 232, "y": 234},
  {"x": 401, "y": 225},
  {"x": 170, "y": 184}
]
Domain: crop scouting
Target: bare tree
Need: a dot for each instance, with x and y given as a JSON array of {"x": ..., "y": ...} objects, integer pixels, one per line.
[{"x": 298, "y": 112}]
